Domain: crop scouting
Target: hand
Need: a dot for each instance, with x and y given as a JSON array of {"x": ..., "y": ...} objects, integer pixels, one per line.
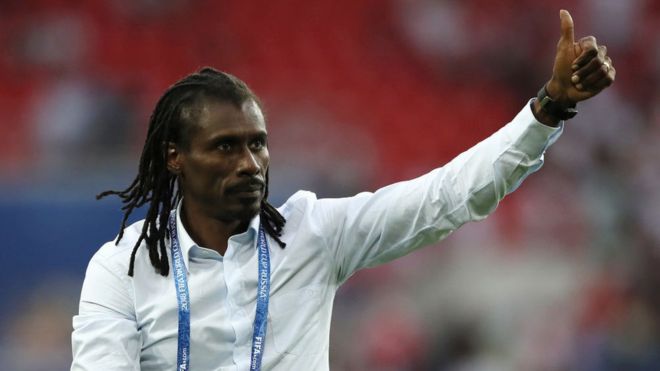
[{"x": 581, "y": 69}]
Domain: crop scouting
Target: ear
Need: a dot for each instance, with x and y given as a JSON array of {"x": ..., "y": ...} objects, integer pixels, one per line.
[{"x": 173, "y": 158}]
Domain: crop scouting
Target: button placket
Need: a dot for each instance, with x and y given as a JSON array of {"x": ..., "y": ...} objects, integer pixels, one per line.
[{"x": 238, "y": 295}]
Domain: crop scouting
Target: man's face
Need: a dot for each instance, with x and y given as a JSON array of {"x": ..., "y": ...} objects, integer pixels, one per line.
[{"x": 223, "y": 172}]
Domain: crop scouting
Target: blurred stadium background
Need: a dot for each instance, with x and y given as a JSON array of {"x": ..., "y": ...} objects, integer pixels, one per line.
[{"x": 564, "y": 276}]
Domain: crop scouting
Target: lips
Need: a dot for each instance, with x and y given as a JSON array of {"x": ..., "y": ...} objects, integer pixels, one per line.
[{"x": 250, "y": 189}]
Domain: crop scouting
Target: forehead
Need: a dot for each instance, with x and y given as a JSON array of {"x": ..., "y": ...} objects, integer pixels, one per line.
[{"x": 216, "y": 118}]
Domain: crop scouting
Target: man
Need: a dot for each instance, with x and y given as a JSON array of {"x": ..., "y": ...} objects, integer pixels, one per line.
[{"x": 215, "y": 278}]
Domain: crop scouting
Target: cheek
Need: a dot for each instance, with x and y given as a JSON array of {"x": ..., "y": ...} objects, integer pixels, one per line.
[
  {"x": 207, "y": 174},
  {"x": 264, "y": 159}
]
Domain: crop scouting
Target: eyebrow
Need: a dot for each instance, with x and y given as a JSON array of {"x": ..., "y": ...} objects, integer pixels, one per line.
[{"x": 237, "y": 138}]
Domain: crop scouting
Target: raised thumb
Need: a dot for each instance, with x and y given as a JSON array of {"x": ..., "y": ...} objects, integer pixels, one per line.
[{"x": 566, "y": 27}]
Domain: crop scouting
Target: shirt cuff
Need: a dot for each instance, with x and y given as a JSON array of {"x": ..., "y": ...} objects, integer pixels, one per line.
[{"x": 531, "y": 136}]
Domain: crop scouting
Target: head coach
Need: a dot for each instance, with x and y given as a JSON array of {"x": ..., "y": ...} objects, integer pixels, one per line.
[{"x": 216, "y": 278}]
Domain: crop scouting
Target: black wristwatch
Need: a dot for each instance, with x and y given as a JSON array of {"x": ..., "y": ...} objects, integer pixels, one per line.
[{"x": 554, "y": 108}]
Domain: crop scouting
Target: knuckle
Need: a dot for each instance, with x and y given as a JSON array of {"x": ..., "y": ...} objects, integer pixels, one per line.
[
  {"x": 589, "y": 53},
  {"x": 588, "y": 41}
]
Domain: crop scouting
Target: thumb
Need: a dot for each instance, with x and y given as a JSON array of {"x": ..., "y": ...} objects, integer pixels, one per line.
[{"x": 566, "y": 27}]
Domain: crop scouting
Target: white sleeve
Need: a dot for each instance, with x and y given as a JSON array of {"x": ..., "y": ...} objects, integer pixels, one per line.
[
  {"x": 105, "y": 334},
  {"x": 373, "y": 228}
]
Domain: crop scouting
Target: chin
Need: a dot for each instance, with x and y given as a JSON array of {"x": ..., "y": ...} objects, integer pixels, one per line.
[
  {"x": 249, "y": 211},
  {"x": 241, "y": 208}
]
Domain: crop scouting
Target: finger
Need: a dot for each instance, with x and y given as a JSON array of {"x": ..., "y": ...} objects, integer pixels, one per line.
[
  {"x": 588, "y": 42},
  {"x": 567, "y": 36},
  {"x": 589, "y": 50},
  {"x": 602, "y": 84},
  {"x": 598, "y": 74},
  {"x": 591, "y": 66},
  {"x": 599, "y": 79},
  {"x": 612, "y": 74}
]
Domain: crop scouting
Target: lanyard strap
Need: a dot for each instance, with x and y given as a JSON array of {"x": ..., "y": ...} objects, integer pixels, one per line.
[
  {"x": 182, "y": 298},
  {"x": 183, "y": 301},
  {"x": 263, "y": 294}
]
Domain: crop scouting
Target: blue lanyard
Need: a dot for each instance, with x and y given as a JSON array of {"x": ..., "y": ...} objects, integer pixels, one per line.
[{"x": 183, "y": 301}]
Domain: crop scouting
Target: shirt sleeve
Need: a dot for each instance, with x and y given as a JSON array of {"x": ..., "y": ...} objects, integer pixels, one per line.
[
  {"x": 373, "y": 228},
  {"x": 105, "y": 334}
]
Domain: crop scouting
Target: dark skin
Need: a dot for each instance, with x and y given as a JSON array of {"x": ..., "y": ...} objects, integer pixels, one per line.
[
  {"x": 581, "y": 70},
  {"x": 222, "y": 171}
]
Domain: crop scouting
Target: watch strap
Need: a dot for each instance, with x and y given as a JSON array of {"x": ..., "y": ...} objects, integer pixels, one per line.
[{"x": 554, "y": 108}]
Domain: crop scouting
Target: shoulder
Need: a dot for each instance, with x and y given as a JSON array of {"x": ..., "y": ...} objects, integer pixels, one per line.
[
  {"x": 107, "y": 283},
  {"x": 115, "y": 255},
  {"x": 297, "y": 209},
  {"x": 305, "y": 211},
  {"x": 298, "y": 202}
]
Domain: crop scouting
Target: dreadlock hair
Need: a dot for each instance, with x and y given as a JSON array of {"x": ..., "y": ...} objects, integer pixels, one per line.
[{"x": 156, "y": 185}]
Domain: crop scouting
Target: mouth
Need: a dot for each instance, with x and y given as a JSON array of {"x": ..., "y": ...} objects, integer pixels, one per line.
[
  {"x": 253, "y": 194},
  {"x": 249, "y": 190}
]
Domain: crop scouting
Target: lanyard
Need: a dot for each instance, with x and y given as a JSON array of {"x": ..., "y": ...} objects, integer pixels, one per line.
[{"x": 183, "y": 301}]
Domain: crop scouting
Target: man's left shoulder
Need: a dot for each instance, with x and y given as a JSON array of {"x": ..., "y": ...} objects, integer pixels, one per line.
[
  {"x": 298, "y": 202},
  {"x": 296, "y": 209}
]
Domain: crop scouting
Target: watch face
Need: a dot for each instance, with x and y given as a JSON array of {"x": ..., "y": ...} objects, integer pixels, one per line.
[{"x": 546, "y": 99}]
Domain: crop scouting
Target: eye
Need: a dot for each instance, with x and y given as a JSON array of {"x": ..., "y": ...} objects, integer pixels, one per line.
[
  {"x": 224, "y": 147},
  {"x": 258, "y": 144}
]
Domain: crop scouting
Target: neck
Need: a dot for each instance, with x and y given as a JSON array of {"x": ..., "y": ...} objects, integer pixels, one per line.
[{"x": 209, "y": 231}]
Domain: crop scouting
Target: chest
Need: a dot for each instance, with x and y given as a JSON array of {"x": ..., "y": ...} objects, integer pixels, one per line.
[{"x": 223, "y": 302}]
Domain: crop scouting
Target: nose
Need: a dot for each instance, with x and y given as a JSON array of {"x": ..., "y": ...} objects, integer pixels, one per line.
[{"x": 248, "y": 164}]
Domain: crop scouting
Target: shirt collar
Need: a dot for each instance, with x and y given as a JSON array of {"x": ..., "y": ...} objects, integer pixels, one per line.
[
  {"x": 186, "y": 242},
  {"x": 249, "y": 237}
]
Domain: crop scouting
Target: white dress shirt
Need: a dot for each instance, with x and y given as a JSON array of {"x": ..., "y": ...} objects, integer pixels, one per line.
[{"x": 130, "y": 323}]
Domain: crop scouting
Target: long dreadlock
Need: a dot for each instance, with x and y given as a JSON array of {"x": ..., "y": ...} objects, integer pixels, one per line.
[{"x": 154, "y": 184}]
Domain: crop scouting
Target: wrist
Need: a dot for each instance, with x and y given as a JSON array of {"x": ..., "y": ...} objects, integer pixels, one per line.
[
  {"x": 551, "y": 107},
  {"x": 542, "y": 116},
  {"x": 554, "y": 90}
]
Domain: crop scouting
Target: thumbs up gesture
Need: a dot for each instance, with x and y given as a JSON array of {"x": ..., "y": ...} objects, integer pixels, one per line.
[{"x": 582, "y": 69}]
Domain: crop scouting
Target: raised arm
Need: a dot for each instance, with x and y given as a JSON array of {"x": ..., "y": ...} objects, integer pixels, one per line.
[{"x": 373, "y": 228}]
